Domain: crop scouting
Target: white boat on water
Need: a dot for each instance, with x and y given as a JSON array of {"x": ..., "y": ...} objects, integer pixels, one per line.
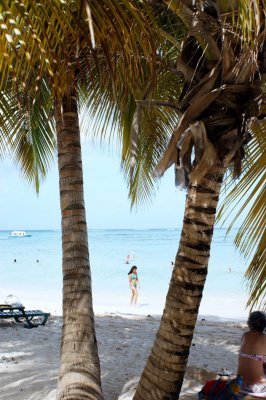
[{"x": 19, "y": 234}]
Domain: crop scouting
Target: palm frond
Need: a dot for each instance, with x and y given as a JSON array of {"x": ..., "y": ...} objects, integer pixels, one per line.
[
  {"x": 28, "y": 131},
  {"x": 246, "y": 19},
  {"x": 51, "y": 43},
  {"x": 249, "y": 191}
]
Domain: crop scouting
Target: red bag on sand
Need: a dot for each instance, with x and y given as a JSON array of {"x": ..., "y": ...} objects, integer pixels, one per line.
[
  {"x": 213, "y": 387},
  {"x": 221, "y": 389}
]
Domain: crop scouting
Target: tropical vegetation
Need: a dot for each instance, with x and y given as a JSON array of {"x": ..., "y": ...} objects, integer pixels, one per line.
[
  {"x": 221, "y": 62},
  {"x": 251, "y": 237},
  {"x": 49, "y": 63},
  {"x": 207, "y": 92}
]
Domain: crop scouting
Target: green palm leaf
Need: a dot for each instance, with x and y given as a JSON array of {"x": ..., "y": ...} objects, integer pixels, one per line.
[
  {"x": 29, "y": 132},
  {"x": 250, "y": 193}
]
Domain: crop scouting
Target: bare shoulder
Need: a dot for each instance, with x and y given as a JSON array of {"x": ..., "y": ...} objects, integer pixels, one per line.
[{"x": 251, "y": 336}]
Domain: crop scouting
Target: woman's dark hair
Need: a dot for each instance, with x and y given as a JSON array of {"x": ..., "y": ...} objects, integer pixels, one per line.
[
  {"x": 257, "y": 321},
  {"x": 132, "y": 268}
]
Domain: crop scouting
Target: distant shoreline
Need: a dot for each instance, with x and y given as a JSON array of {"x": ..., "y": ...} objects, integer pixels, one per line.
[{"x": 36, "y": 275}]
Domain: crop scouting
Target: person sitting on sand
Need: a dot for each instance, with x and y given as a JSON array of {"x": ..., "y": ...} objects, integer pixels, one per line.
[
  {"x": 133, "y": 284},
  {"x": 252, "y": 354}
]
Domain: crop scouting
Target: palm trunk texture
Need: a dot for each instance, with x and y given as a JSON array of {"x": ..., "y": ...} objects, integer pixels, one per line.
[
  {"x": 164, "y": 372},
  {"x": 79, "y": 375}
]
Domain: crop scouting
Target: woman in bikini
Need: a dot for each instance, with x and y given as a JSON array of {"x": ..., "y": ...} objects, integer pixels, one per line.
[
  {"x": 252, "y": 355},
  {"x": 133, "y": 284}
]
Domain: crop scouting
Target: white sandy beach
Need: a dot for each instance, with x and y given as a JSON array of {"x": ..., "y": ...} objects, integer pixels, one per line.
[{"x": 29, "y": 358}]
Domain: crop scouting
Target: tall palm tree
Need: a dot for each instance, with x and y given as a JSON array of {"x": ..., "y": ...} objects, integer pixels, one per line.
[
  {"x": 222, "y": 68},
  {"x": 57, "y": 51},
  {"x": 79, "y": 377}
]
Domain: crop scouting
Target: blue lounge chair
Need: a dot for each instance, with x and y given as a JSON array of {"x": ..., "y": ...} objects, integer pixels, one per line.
[{"x": 20, "y": 314}]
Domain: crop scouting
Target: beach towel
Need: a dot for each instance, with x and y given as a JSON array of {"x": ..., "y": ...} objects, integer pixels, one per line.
[{"x": 220, "y": 389}]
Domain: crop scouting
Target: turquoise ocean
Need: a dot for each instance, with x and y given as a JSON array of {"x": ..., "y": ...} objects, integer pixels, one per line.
[{"x": 38, "y": 284}]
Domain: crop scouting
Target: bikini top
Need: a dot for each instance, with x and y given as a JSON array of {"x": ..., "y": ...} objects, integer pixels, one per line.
[
  {"x": 133, "y": 276},
  {"x": 254, "y": 356}
]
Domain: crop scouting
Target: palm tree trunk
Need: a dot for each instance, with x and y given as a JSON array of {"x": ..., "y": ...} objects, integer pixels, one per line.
[
  {"x": 164, "y": 372},
  {"x": 79, "y": 375}
]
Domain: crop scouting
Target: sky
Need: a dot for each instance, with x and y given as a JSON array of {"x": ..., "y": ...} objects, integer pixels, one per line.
[{"x": 106, "y": 199}]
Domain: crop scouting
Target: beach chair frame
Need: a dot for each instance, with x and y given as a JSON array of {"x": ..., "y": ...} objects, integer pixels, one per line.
[{"x": 21, "y": 315}]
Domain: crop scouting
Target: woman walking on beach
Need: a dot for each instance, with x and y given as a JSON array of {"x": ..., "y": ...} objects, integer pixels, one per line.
[
  {"x": 252, "y": 355},
  {"x": 133, "y": 284}
]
